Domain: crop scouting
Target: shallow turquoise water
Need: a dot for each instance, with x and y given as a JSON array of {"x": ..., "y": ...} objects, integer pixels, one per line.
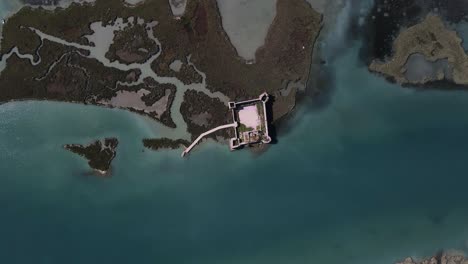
[{"x": 378, "y": 174}]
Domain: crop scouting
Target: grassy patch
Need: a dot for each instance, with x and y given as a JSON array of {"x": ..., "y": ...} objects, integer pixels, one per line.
[
  {"x": 164, "y": 143},
  {"x": 243, "y": 128},
  {"x": 98, "y": 154}
]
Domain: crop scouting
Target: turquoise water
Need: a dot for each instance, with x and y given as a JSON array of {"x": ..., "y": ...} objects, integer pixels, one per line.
[
  {"x": 462, "y": 30},
  {"x": 377, "y": 174},
  {"x": 6, "y": 7}
]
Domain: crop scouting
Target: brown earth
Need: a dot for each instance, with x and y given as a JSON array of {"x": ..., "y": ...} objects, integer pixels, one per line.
[
  {"x": 196, "y": 103},
  {"x": 286, "y": 55},
  {"x": 157, "y": 91},
  {"x": 128, "y": 44},
  {"x": 164, "y": 143}
]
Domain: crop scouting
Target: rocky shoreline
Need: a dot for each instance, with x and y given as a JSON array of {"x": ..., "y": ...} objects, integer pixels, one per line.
[{"x": 449, "y": 257}]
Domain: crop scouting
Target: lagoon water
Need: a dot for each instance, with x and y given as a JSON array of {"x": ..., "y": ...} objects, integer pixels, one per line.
[{"x": 378, "y": 173}]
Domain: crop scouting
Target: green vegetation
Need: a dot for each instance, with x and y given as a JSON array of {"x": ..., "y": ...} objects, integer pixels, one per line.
[
  {"x": 187, "y": 23},
  {"x": 99, "y": 155},
  {"x": 243, "y": 128},
  {"x": 164, "y": 143},
  {"x": 73, "y": 22},
  {"x": 259, "y": 108},
  {"x": 128, "y": 43},
  {"x": 74, "y": 77},
  {"x": 196, "y": 103},
  {"x": 157, "y": 91}
]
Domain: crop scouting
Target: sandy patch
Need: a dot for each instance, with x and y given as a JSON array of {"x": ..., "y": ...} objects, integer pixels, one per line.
[
  {"x": 127, "y": 56},
  {"x": 128, "y": 99}
]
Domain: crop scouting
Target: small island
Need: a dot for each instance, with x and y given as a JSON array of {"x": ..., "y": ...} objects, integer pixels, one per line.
[
  {"x": 425, "y": 53},
  {"x": 99, "y": 154}
]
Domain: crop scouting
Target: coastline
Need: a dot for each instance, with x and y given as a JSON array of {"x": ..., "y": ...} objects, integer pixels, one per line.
[
  {"x": 99, "y": 153},
  {"x": 299, "y": 192},
  {"x": 434, "y": 42},
  {"x": 5, "y": 15},
  {"x": 135, "y": 111},
  {"x": 264, "y": 54}
]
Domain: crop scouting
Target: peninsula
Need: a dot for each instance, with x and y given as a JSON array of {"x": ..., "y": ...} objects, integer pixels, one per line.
[
  {"x": 179, "y": 69},
  {"x": 99, "y": 154}
]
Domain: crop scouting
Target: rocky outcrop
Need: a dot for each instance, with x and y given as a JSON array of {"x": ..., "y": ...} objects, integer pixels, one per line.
[{"x": 441, "y": 258}]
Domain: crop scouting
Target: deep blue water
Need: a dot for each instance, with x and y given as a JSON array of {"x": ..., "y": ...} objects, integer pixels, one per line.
[{"x": 378, "y": 174}]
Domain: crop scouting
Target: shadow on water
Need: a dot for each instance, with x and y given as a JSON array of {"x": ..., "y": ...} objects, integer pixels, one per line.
[
  {"x": 320, "y": 88},
  {"x": 316, "y": 97},
  {"x": 334, "y": 41},
  {"x": 272, "y": 127}
]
